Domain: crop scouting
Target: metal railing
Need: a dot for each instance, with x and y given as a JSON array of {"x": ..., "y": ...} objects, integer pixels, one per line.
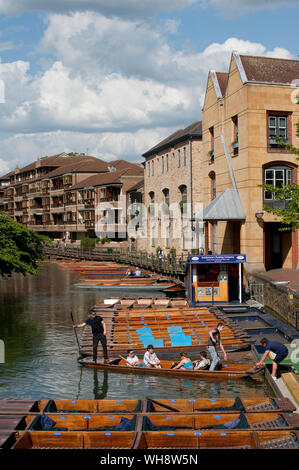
[
  {"x": 174, "y": 265},
  {"x": 257, "y": 292}
]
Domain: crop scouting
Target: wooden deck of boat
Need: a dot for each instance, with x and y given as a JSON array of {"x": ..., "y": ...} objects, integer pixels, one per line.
[
  {"x": 182, "y": 423},
  {"x": 125, "y": 320}
]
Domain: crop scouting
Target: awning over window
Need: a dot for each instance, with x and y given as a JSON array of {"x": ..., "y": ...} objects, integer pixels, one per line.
[{"x": 226, "y": 206}]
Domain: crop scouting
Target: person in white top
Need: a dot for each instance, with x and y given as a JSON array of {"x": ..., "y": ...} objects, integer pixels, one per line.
[
  {"x": 204, "y": 363},
  {"x": 132, "y": 359},
  {"x": 137, "y": 272},
  {"x": 150, "y": 358}
]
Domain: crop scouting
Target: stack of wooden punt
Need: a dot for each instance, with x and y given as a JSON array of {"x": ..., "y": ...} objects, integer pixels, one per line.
[
  {"x": 182, "y": 423},
  {"x": 126, "y": 281},
  {"x": 124, "y": 325},
  {"x": 107, "y": 274}
]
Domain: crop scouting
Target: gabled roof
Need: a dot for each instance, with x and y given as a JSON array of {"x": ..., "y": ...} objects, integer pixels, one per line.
[
  {"x": 258, "y": 69},
  {"x": 104, "y": 179},
  {"x": 270, "y": 70},
  {"x": 123, "y": 164},
  {"x": 88, "y": 166},
  {"x": 193, "y": 130},
  {"x": 7, "y": 176},
  {"x": 136, "y": 186},
  {"x": 222, "y": 78}
]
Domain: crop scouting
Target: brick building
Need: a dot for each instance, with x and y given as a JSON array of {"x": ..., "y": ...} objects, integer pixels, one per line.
[
  {"x": 56, "y": 195},
  {"x": 172, "y": 187},
  {"x": 244, "y": 111}
]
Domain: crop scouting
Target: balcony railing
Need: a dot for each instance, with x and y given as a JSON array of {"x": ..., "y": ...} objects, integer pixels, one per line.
[{"x": 277, "y": 204}]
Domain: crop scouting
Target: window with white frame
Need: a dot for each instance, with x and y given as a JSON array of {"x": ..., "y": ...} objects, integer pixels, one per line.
[
  {"x": 277, "y": 130},
  {"x": 277, "y": 176}
]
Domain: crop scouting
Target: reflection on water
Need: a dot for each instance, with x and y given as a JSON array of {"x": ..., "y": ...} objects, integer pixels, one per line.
[{"x": 41, "y": 350}]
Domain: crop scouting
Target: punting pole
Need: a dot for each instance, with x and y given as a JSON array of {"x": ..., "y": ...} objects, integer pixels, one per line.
[{"x": 75, "y": 332}]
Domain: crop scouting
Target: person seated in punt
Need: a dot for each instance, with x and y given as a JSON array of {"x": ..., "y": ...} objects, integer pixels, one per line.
[
  {"x": 128, "y": 272},
  {"x": 204, "y": 363},
  {"x": 137, "y": 272},
  {"x": 132, "y": 360},
  {"x": 185, "y": 362},
  {"x": 150, "y": 358}
]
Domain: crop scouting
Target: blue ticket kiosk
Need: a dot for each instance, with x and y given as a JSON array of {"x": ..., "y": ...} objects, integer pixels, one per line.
[{"x": 215, "y": 278}]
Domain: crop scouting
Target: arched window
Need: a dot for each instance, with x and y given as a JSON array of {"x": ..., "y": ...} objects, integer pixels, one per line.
[
  {"x": 212, "y": 176},
  {"x": 151, "y": 207},
  {"x": 183, "y": 193},
  {"x": 165, "y": 192}
]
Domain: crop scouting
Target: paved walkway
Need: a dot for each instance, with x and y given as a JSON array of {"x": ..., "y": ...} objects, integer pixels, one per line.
[{"x": 278, "y": 275}]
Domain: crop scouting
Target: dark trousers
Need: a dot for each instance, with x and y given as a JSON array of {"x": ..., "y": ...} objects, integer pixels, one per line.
[{"x": 95, "y": 342}]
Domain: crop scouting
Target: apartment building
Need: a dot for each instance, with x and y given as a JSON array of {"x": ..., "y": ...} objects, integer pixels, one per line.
[
  {"x": 172, "y": 188},
  {"x": 244, "y": 111},
  {"x": 53, "y": 195},
  {"x": 102, "y": 202}
]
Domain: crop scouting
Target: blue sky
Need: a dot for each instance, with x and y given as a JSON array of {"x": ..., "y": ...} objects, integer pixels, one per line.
[{"x": 115, "y": 79}]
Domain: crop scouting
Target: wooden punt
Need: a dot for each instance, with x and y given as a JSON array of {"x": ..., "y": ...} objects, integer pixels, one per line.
[
  {"x": 222, "y": 405},
  {"x": 124, "y": 286},
  {"x": 278, "y": 440},
  {"x": 157, "y": 440},
  {"x": 82, "y": 422},
  {"x": 13, "y": 422},
  {"x": 218, "y": 440},
  {"x": 75, "y": 440},
  {"x": 91, "y": 406},
  {"x": 211, "y": 421},
  {"x": 228, "y": 371},
  {"x": 19, "y": 406},
  {"x": 182, "y": 405},
  {"x": 8, "y": 439},
  {"x": 195, "y": 440},
  {"x": 121, "y": 348}
]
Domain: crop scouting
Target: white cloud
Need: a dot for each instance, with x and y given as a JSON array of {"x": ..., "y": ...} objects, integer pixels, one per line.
[
  {"x": 107, "y": 145},
  {"x": 121, "y": 8},
  {"x": 112, "y": 86},
  {"x": 4, "y": 167},
  {"x": 228, "y": 6}
]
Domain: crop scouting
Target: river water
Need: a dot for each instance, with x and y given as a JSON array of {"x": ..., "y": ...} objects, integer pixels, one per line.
[{"x": 41, "y": 350}]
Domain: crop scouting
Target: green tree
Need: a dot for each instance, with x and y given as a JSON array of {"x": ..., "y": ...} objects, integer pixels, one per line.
[
  {"x": 74, "y": 154},
  {"x": 290, "y": 214},
  {"x": 21, "y": 249}
]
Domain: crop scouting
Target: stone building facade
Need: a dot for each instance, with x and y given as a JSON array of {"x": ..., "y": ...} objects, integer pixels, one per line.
[
  {"x": 244, "y": 111},
  {"x": 172, "y": 188}
]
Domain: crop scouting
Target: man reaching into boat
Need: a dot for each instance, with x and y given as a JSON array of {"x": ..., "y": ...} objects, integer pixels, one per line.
[
  {"x": 214, "y": 340},
  {"x": 280, "y": 351},
  {"x": 98, "y": 329}
]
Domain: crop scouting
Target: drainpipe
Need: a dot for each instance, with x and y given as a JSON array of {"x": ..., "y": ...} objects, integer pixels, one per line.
[{"x": 191, "y": 188}]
